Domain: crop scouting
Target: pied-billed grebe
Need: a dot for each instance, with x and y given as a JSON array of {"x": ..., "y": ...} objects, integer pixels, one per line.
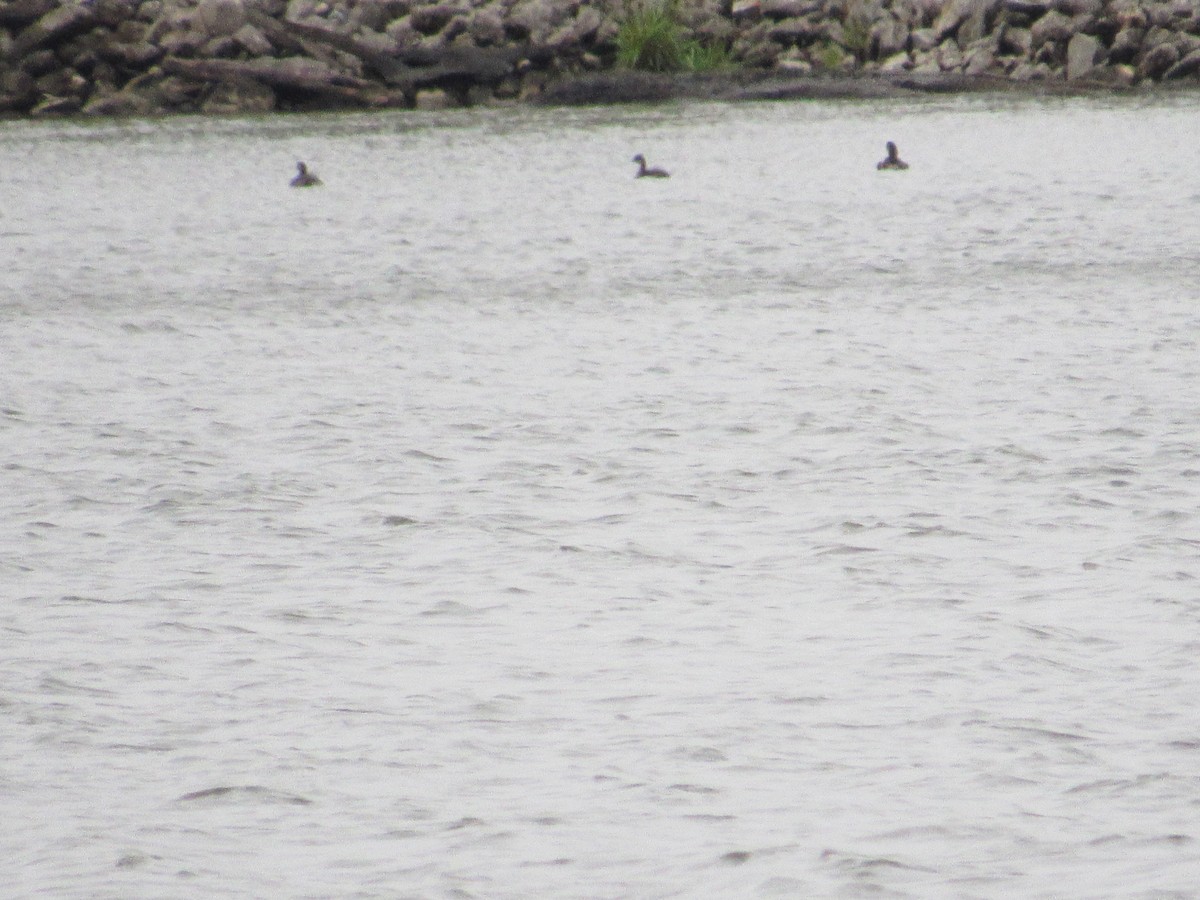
[
  {"x": 304, "y": 178},
  {"x": 893, "y": 160},
  {"x": 643, "y": 172}
]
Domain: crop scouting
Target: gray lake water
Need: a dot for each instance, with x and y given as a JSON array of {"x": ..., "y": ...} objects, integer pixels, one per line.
[{"x": 487, "y": 523}]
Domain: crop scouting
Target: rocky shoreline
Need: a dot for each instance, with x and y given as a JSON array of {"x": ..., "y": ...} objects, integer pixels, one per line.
[{"x": 153, "y": 57}]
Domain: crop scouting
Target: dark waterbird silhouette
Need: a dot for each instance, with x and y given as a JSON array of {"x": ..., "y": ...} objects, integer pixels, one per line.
[
  {"x": 644, "y": 172},
  {"x": 304, "y": 178},
  {"x": 893, "y": 160}
]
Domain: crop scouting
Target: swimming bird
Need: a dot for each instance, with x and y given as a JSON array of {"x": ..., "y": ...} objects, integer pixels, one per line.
[
  {"x": 304, "y": 178},
  {"x": 643, "y": 172},
  {"x": 893, "y": 160}
]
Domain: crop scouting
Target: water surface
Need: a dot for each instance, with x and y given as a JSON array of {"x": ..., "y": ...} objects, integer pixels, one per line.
[{"x": 488, "y": 523}]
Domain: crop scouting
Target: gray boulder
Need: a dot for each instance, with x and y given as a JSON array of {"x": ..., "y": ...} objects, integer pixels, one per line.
[
  {"x": 20, "y": 13},
  {"x": 899, "y": 62},
  {"x": 53, "y": 28},
  {"x": 798, "y": 32},
  {"x": 1031, "y": 8},
  {"x": 120, "y": 103},
  {"x": 923, "y": 40},
  {"x": 1126, "y": 45},
  {"x": 298, "y": 10},
  {"x": 138, "y": 54},
  {"x": 536, "y": 19},
  {"x": 746, "y": 11},
  {"x": 253, "y": 41},
  {"x": 978, "y": 24},
  {"x": 949, "y": 57},
  {"x": 1155, "y": 62},
  {"x": 374, "y": 15},
  {"x": 957, "y": 13},
  {"x": 63, "y": 82},
  {"x": 1160, "y": 14},
  {"x": 185, "y": 42},
  {"x": 1053, "y": 26},
  {"x": 293, "y": 73},
  {"x": 1083, "y": 52},
  {"x": 1189, "y": 65},
  {"x": 889, "y": 37},
  {"x": 18, "y": 91},
  {"x": 1016, "y": 41},
  {"x": 575, "y": 33},
  {"x": 433, "y": 19},
  {"x": 789, "y": 9},
  {"x": 486, "y": 27},
  {"x": 979, "y": 60},
  {"x": 41, "y": 62},
  {"x": 57, "y": 106},
  {"x": 238, "y": 96},
  {"x": 1028, "y": 71},
  {"x": 219, "y": 18},
  {"x": 1079, "y": 7}
]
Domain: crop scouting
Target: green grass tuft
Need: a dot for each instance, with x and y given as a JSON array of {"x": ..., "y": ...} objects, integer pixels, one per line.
[
  {"x": 699, "y": 58},
  {"x": 651, "y": 39},
  {"x": 828, "y": 56}
]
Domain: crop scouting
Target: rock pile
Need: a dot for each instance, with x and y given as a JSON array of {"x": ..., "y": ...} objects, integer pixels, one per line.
[
  {"x": 136, "y": 57},
  {"x": 1116, "y": 41}
]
